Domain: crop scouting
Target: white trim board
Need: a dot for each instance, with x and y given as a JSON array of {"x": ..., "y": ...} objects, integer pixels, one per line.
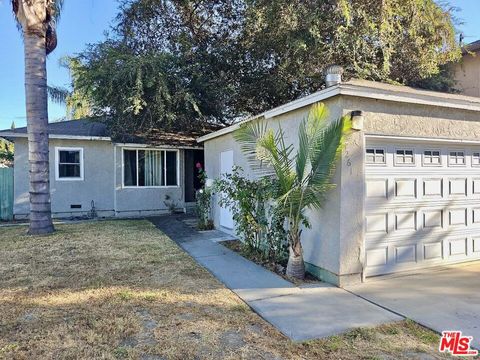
[
  {"x": 57, "y": 163},
  {"x": 423, "y": 139}
]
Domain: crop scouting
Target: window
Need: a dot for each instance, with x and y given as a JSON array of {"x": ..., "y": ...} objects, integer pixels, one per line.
[
  {"x": 404, "y": 157},
  {"x": 68, "y": 163},
  {"x": 432, "y": 158},
  {"x": 375, "y": 156},
  {"x": 456, "y": 158},
  {"x": 150, "y": 168},
  {"x": 476, "y": 159}
]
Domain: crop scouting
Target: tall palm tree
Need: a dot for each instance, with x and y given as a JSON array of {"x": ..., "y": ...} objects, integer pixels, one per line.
[
  {"x": 37, "y": 20},
  {"x": 303, "y": 177}
]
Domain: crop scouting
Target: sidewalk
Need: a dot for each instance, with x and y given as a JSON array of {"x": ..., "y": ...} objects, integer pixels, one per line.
[{"x": 301, "y": 313}]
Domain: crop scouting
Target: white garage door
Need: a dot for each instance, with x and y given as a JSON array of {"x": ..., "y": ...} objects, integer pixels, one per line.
[{"x": 422, "y": 204}]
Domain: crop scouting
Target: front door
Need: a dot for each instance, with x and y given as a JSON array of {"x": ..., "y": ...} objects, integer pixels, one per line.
[{"x": 226, "y": 165}]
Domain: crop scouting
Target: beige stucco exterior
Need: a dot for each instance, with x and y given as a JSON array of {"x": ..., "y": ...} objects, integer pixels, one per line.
[
  {"x": 334, "y": 247},
  {"x": 467, "y": 74}
]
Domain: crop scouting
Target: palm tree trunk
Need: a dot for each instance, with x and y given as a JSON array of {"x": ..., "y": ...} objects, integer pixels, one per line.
[
  {"x": 37, "y": 122},
  {"x": 295, "y": 265}
]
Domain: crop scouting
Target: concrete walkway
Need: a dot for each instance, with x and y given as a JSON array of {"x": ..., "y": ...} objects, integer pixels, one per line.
[{"x": 301, "y": 313}]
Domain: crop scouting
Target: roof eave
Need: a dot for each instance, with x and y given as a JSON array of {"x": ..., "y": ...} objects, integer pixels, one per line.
[
  {"x": 14, "y": 135},
  {"x": 228, "y": 129},
  {"x": 356, "y": 90},
  {"x": 157, "y": 146}
]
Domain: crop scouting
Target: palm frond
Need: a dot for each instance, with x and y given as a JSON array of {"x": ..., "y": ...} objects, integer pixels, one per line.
[
  {"x": 302, "y": 179},
  {"x": 326, "y": 148},
  {"x": 249, "y": 136}
]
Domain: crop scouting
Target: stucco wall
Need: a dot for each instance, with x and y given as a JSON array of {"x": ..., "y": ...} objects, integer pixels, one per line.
[
  {"x": 321, "y": 242},
  {"x": 467, "y": 74},
  {"x": 386, "y": 117},
  {"x": 97, "y": 184},
  {"x": 335, "y": 244},
  {"x": 102, "y": 183}
]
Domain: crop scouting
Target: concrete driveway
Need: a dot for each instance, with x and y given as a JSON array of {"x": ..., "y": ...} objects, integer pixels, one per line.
[{"x": 446, "y": 298}]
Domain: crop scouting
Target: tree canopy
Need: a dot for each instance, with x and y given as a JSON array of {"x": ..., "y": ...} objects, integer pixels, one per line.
[{"x": 181, "y": 62}]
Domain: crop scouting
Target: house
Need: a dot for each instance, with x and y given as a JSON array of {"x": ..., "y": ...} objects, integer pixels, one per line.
[
  {"x": 408, "y": 181},
  {"x": 146, "y": 174},
  {"x": 467, "y": 71}
]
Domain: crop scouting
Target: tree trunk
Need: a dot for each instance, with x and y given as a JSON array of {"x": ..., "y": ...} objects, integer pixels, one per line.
[
  {"x": 37, "y": 122},
  {"x": 295, "y": 266}
]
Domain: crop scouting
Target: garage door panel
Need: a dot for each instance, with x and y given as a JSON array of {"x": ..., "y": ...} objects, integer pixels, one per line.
[
  {"x": 377, "y": 189},
  {"x": 406, "y": 188},
  {"x": 377, "y": 257},
  {"x": 433, "y": 188},
  {"x": 406, "y": 254},
  {"x": 433, "y": 250},
  {"x": 476, "y": 216},
  {"x": 421, "y": 211},
  {"x": 457, "y": 187},
  {"x": 476, "y": 186},
  {"x": 476, "y": 245},
  {"x": 458, "y": 217},
  {"x": 406, "y": 221},
  {"x": 377, "y": 223},
  {"x": 457, "y": 247},
  {"x": 432, "y": 219}
]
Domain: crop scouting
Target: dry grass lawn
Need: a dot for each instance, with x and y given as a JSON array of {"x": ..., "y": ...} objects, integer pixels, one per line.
[{"x": 122, "y": 289}]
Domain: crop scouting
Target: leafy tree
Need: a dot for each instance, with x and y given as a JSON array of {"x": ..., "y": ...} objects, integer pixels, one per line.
[
  {"x": 6, "y": 152},
  {"x": 141, "y": 92},
  {"x": 37, "y": 20},
  {"x": 303, "y": 178},
  {"x": 219, "y": 60}
]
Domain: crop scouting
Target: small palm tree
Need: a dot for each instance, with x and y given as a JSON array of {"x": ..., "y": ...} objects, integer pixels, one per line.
[
  {"x": 303, "y": 177},
  {"x": 37, "y": 20}
]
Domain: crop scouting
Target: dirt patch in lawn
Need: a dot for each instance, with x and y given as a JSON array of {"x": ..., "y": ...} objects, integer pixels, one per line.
[{"x": 122, "y": 289}]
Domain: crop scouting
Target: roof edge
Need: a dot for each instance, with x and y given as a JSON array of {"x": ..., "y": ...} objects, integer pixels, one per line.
[
  {"x": 415, "y": 96},
  {"x": 228, "y": 129},
  {"x": 14, "y": 135}
]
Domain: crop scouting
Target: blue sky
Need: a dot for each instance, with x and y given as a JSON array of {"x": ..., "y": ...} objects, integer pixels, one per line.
[{"x": 85, "y": 21}]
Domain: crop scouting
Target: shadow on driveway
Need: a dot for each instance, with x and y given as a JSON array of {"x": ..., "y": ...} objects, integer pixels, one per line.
[{"x": 446, "y": 298}]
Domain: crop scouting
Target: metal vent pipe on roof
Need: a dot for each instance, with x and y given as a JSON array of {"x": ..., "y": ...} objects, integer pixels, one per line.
[{"x": 333, "y": 75}]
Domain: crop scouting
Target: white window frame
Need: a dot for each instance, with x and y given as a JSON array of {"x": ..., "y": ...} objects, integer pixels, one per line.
[
  {"x": 457, "y": 151},
  {"x": 432, "y": 165},
  {"x": 374, "y": 148},
  {"x": 473, "y": 156},
  {"x": 57, "y": 164},
  {"x": 414, "y": 155},
  {"x": 164, "y": 168}
]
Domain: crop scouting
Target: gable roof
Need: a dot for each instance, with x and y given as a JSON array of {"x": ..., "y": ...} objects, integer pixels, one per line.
[
  {"x": 91, "y": 129},
  {"x": 365, "y": 89}
]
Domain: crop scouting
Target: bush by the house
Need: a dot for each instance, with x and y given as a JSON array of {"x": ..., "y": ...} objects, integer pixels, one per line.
[{"x": 259, "y": 224}]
